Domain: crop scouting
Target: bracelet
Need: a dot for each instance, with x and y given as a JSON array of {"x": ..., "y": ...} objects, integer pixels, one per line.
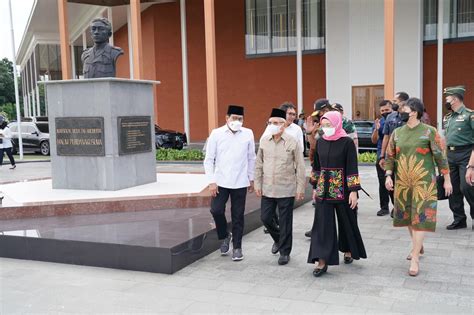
[{"x": 388, "y": 175}]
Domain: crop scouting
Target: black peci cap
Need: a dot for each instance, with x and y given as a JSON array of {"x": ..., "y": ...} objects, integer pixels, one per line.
[
  {"x": 235, "y": 110},
  {"x": 276, "y": 112}
]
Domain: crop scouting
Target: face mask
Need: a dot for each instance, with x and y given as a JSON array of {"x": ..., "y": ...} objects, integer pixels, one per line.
[
  {"x": 395, "y": 107},
  {"x": 273, "y": 129},
  {"x": 448, "y": 106},
  {"x": 329, "y": 131},
  {"x": 404, "y": 116},
  {"x": 235, "y": 125},
  {"x": 384, "y": 115}
]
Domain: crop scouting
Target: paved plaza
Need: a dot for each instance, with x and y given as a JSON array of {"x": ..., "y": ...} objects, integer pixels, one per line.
[{"x": 215, "y": 284}]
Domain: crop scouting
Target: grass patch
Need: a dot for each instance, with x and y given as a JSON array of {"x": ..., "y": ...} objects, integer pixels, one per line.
[
  {"x": 367, "y": 157},
  {"x": 179, "y": 155}
]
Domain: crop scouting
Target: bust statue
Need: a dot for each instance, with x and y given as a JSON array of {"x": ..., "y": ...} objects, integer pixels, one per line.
[{"x": 99, "y": 60}]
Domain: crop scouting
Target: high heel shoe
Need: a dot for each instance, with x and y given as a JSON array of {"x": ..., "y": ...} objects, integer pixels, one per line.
[
  {"x": 412, "y": 272},
  {"x": 422, "y": 251},
  {"x": 318, "y": 272}
]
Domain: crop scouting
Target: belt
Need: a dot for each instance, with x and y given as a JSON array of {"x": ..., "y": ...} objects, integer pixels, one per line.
[{"x": 460, "y": 147}]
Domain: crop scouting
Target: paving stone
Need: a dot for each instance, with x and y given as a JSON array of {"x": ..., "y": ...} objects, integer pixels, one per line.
[{"x": 258, "y": 285}]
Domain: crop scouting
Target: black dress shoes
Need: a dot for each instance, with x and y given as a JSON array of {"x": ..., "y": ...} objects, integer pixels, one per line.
[
  {"x": 319, "y": 272},
  {"x": 382, "y": 212},
  {"x": 308, "y": 234},
  {"x": 284, "y": 259},
  {"x": 457, "y": 225},
  {"x": 275, "y": 248}
]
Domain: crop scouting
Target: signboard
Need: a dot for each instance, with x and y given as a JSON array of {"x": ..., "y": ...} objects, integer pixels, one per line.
[
  {"x": 134, "y": 134},
  {"x": 80, "y": 136}
]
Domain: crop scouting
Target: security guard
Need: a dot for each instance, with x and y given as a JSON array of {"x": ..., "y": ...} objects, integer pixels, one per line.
[{"x": 459, "y": 128}]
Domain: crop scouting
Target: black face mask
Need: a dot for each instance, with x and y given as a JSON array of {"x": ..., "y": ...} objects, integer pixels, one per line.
[
  {"x": 395, "y": 107},
  {"x": 404, "y": 116},
  {"x": 384, "y": 115},
  {"x": 448, "y": 106}
]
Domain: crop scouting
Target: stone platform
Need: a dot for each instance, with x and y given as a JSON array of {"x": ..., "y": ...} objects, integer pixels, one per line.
[
  {"x": 162, "y": 241},
  {"x": 36, "y": 198}
]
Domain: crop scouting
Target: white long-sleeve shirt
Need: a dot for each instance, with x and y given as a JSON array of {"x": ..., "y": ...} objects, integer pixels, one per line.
[
  {"x": 295, "y": 131},
  {"x": 230, "y": 158},
  {"x": 6, "y": 138}
]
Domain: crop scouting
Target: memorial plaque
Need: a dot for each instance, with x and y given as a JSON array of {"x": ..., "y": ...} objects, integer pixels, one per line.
[
  {"x": 80, "y": 136},
  {"x": 134, "y": 134}
]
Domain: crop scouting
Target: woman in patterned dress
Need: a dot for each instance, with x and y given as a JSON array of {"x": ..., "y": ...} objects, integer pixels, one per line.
[
  {"x": 414, "y": 151},
  {"x": 335, "y": 179}
]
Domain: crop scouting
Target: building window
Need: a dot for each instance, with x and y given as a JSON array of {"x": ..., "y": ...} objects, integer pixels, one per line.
[
  {"x": 458, "y": 19},
  {"x": 271, "y": 26}
]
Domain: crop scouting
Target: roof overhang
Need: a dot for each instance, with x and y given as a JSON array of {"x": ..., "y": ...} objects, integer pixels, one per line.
[
  {"x": 110, "y": 3},
  {"x": 43, "y": 22}
]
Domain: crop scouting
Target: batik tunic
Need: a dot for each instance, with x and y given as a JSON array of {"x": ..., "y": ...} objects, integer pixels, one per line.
[{"x": 412, "y": 155}]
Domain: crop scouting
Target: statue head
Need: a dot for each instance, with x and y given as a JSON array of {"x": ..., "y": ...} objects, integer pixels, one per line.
[{"x": 101, "y": 30}]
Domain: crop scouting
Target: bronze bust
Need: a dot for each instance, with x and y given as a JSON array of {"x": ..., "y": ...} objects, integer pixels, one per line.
[{"x": 99, "y": 60}]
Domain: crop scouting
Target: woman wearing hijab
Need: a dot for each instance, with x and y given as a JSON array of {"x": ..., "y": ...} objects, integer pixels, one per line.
[{"x": 335, "y": 179}]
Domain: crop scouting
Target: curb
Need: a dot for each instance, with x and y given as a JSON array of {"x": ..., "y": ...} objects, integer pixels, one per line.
[{"x": 27, "y": 161}]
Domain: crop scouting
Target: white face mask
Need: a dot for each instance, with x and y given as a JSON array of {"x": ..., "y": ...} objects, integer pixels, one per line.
[
  {"x": 329, "y": 131},
  {"x": 235, "y": 125},
  {"x": 273, "y": 129}
]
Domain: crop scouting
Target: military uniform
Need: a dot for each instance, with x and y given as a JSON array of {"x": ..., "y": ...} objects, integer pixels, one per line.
[
  {"x": 459, "y": 131},
  {"x": 100, "y": 63}
]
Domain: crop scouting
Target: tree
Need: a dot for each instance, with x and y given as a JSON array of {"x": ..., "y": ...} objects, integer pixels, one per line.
[{"x": 7, "y": 87}]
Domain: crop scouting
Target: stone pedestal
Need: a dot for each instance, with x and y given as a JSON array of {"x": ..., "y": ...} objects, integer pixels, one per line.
[{"x": 101, "y": 133}]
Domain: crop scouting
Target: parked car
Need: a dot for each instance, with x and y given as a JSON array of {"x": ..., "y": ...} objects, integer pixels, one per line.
[
  {"x": 169, "y": 139},
  {"x": 35, "y": 136},
  {"x": 364, "y": 133}
]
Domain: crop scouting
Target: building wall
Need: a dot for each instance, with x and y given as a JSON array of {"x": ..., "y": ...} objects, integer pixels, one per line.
[
  {"x": 458, "y": 64},
  {"x": 354, "y": 47},
  {"x": 257, "y": 83},
  {"x": 408, "y": 47}
]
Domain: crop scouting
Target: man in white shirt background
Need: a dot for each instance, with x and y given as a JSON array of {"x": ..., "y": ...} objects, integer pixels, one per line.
[
  {"x": 230, "y": 165},
  {"x": 291, "y": 128}
]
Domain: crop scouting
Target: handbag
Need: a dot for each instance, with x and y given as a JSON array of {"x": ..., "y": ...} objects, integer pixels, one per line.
[{"x": 440, "y": 187}]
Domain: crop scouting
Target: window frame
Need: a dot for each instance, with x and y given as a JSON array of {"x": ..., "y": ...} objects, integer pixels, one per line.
[{"x": 288, "y": 52}]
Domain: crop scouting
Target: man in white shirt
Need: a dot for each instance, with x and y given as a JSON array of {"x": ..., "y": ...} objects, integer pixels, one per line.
[
  {"x": 230, "y": 165},
  {"x": 6, "y": 142}
]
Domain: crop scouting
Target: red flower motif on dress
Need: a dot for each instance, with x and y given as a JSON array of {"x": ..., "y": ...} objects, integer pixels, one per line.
[{"x": 423, "y": 151}]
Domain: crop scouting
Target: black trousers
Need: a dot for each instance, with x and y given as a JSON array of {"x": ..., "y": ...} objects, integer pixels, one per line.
[
  {"x": 9, "y": 153},
  {"x": 385, "y": 196},
  {"x": 237, "y": 209},
  {"x": 282, "y": 234},
  {"x": 458, "y": 161},
  {"x": 324, "y": 240}
]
